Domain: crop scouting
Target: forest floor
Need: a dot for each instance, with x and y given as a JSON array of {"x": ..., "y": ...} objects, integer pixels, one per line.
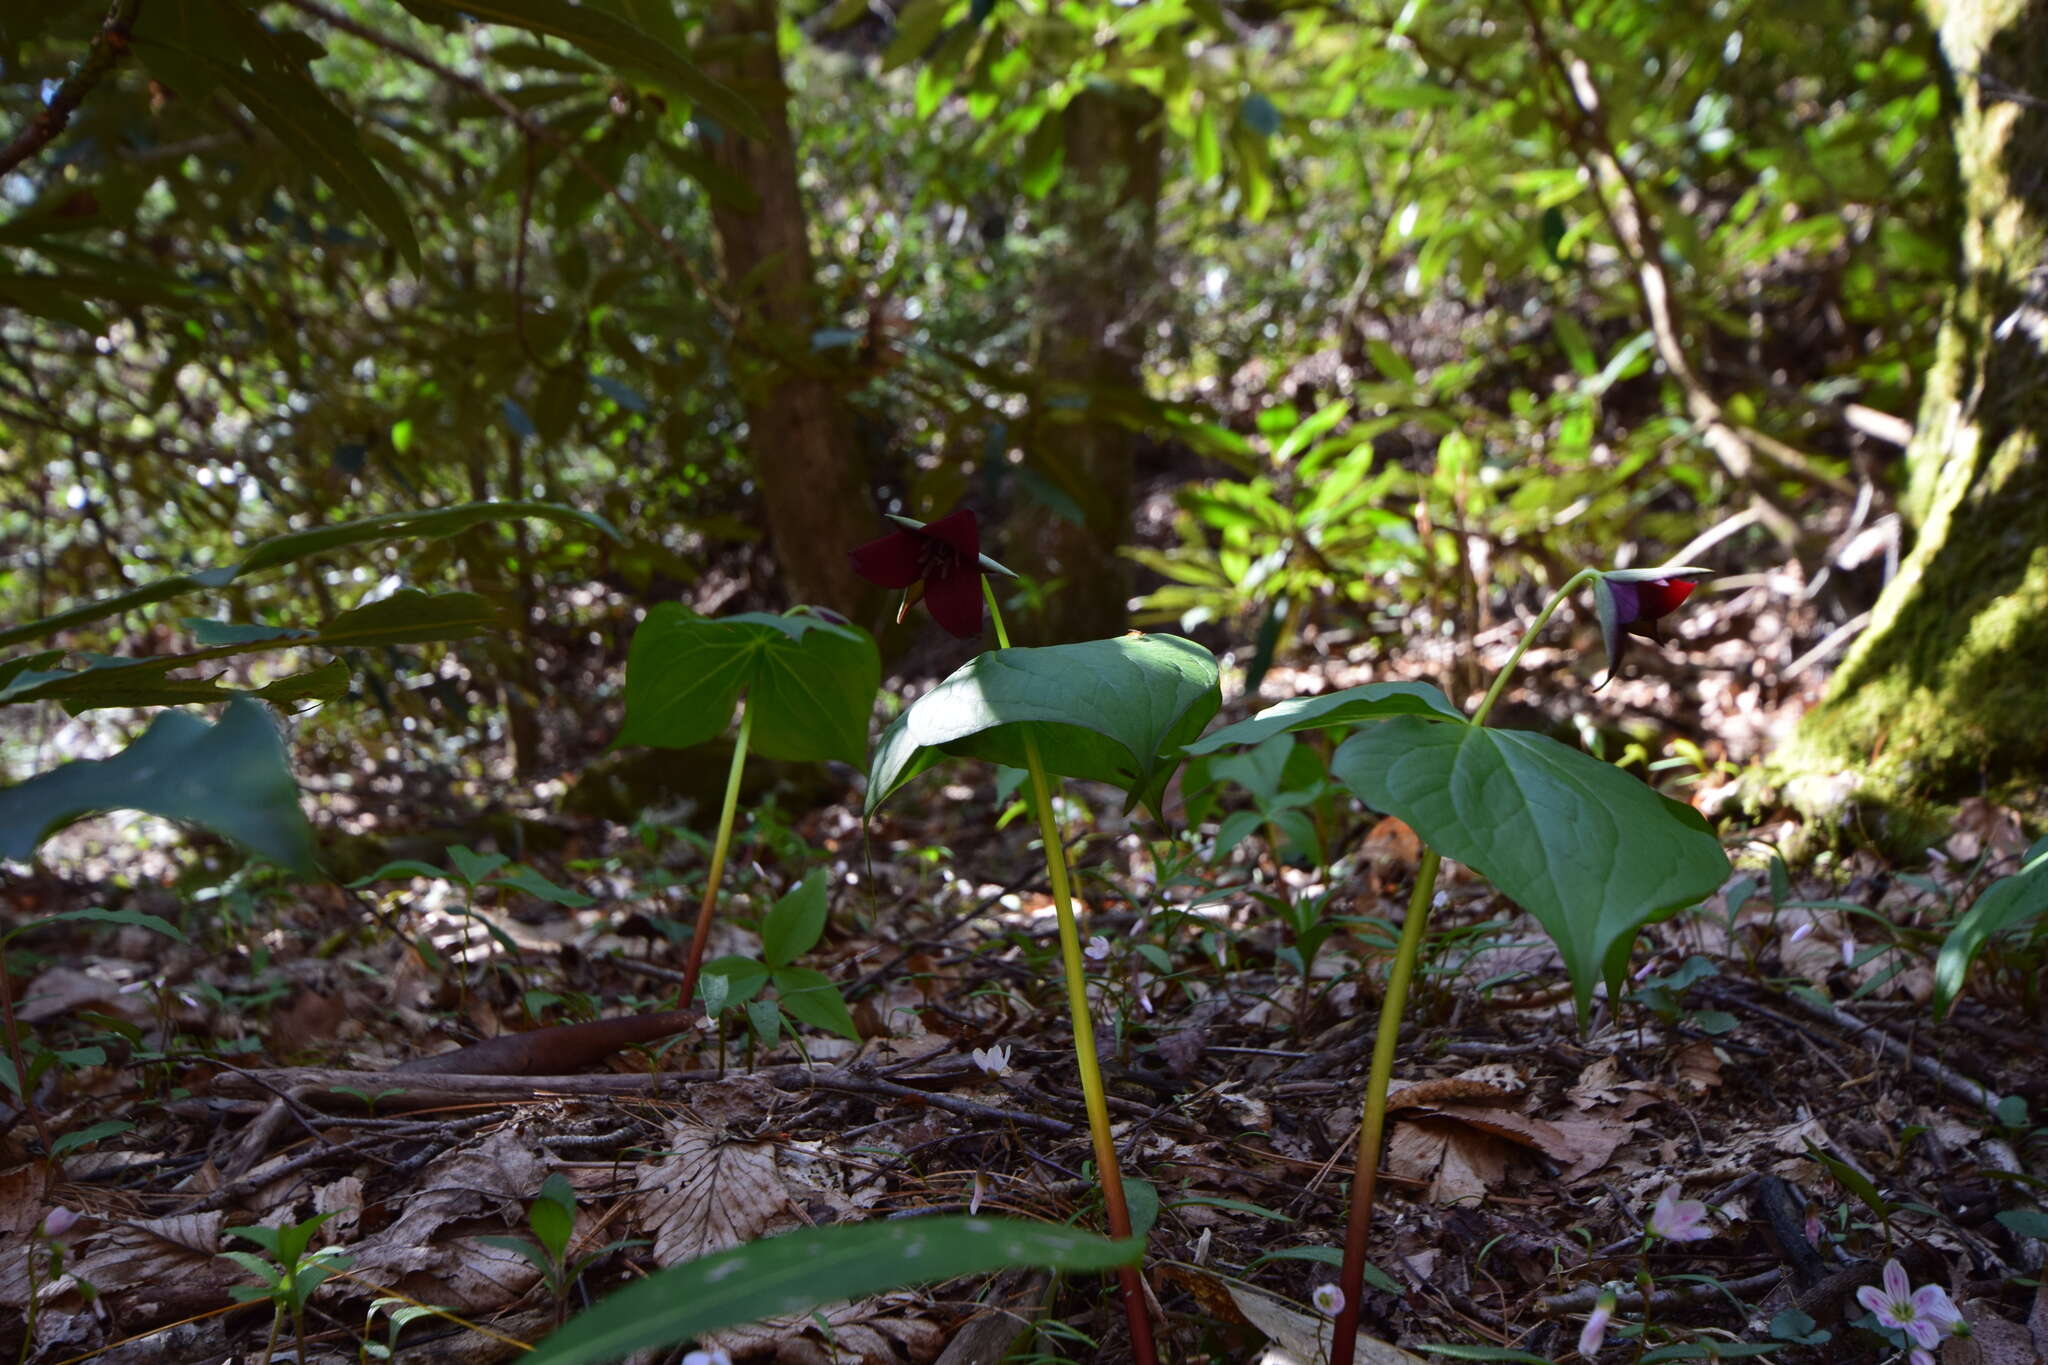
[{"x": 1776, "y": 1059}]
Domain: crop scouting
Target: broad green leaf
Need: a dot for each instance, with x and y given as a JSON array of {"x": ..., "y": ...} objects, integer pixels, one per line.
[
  {"x": 474, "y": 867},
  {"x": 812, "y": 998},
  {"x": 295, "y": 545},
  {"x": 540, "y": 888},
  {"x": 210, "y": 633},
  {"x": 1591, "y": 852},
  {"x": 1353, "y": 705},
  {"x": 230, "y": 777},
  {"x": 408, "y": 617},
  {"x": 917, "y": 24},
  {"x": 796, "y": 923},
  {"x": 799, "y": 1270},
  {"x": 1115, "y": 711},
  {"x": 83, "y": 1137},
  {"x": 2005, "y": 905},
  {"x": 404, "y": 867},
  {"x": 98, "y": 915},
  {"x": 615, "y": 42},
  {"x": 810, "y": 685}
]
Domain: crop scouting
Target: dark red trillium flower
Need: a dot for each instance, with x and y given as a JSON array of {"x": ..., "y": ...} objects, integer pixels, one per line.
[
  {"x": 939, "y": 561},
  {"x": 1632, "y": 601}
]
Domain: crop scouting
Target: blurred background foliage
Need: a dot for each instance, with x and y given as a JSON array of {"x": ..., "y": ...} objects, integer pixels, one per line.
[{"x": 1276, "y": 323}]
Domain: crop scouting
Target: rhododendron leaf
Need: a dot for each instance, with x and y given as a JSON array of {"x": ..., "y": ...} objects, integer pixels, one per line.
[{"x": 1591, "y": 852}]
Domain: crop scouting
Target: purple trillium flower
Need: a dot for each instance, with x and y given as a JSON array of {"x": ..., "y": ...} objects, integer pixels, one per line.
[
  {"x": 940, "y": 561},
  {"x": 1632, "y": 601}
]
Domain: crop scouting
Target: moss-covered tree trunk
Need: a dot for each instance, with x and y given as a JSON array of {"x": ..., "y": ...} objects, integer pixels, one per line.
[
  {"x": 1942, "y": 695},
  {"x": 799, "y": 431},
  {"x": 1096, "y": 308}
]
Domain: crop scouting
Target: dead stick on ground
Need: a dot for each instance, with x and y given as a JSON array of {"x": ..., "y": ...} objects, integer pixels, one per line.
[{"x": 1582, "y": 1300}]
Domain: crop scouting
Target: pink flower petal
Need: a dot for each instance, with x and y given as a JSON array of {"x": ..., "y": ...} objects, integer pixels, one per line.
[
  {"x": 1923, "y": 1333},
  {"x": 1897, "y": 1287},
  {"x": 1931, "y": 1301},
  {"x": 1872, "y": 1298}
]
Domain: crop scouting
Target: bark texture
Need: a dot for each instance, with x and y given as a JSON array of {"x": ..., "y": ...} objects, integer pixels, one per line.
[
  {"x": 1942, "y": 695},
  {"x": 1097, "y": 309},
  {"x": 799, "y": 431}
]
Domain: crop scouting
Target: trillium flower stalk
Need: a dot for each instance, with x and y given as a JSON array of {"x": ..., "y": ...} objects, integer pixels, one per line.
[
  {"x": 1093, "y": 1096},
  {"x": 1649, "y": 594},
  {"x": 721, "y": 845}
]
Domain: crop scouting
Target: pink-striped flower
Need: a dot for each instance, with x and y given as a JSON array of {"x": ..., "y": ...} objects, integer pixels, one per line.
[
  {"x": 1679, "y": 1220},
  {"x": 1925, "y": 1314},
  {"x": 1595, "y": 1330}
]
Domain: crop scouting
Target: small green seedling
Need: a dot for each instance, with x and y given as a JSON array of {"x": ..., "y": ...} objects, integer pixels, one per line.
[
  {"x": 792, "y": 929},
  {"x": 290, "y": 1275},
  {"x": 552, "y": 1220}
]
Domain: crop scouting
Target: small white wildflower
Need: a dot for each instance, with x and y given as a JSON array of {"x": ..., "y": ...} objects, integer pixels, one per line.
[
  {"x": 1595, "y": 1330},
  {"x": 1925, "y": 1315},
  {"x": 1801, "y": 932},
  {"x": 994, "y": 1060},
  {"x": 1328, "y": 1299},
  {"x": 1098, "y": 948},
  {"x": 1848, "y": 951},
  {"x": 711, "y": 1357},
  {"x": 1679, "y": 1220}
]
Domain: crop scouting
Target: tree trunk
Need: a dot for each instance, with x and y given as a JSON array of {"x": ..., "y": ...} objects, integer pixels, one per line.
[
  {"x": 1097, "y": 307},
  {"x": 799, "y": 433},
  {"x": 1942, "y": 695}
]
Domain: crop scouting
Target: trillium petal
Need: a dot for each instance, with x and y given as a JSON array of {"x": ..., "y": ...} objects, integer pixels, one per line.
[
  {"x": 960, "y": 531},
  {"x": 891, "y": 562},
  {"x": 955, "y": 600},
  {"x": 1608, "y": 608}
]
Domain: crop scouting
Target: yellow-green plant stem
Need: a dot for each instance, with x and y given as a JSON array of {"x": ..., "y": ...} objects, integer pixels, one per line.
[
  {"x": 1500, "y": 682},
  {"x": 720, "y": 846},
  {"x": 1372, "y": 1125},
  {"x": 1093, "y": 1095}
]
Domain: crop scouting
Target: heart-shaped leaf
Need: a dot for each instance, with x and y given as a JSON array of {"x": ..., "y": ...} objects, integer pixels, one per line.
[
  {"x": 1115, "y": 711},
  {"x": 810, "y": 683},
  {"x": 230, "y": 777},
  {"x": 1352, "y": 706},
  {"x": 1588, "y": 850}
]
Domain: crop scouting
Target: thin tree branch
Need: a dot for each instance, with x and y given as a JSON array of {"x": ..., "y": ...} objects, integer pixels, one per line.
[{"x": 109, "y": 46}]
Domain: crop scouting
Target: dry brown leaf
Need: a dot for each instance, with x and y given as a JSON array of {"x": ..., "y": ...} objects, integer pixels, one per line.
[
  {"x": 708, "y": 1192},
  {"x": 1698, "y": 1064},
  {"x": 1390, "y": 844},
  {"x": 887, "y": 1330},
  {"x": 430, "y": 1252},
  {"x": 1451, "y": 1090},
  {"x": 1993, "y": 1340},
  {"x": 1305, "y": 1338}
]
